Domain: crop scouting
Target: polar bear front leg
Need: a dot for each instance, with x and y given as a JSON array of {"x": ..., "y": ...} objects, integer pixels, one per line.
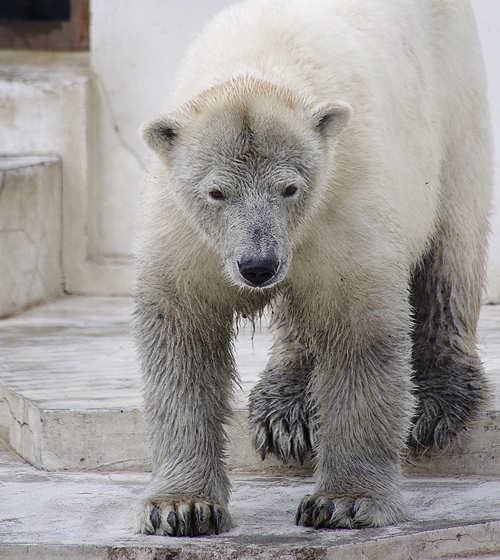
[
  {"x": 362, "y": 390},
  {"x": 188, "y": 370}
]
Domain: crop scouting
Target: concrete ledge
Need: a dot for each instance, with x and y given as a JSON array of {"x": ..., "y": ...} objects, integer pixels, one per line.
[
  {"x": 70, "y": 395},
  {"x": 57, "y": 109},
  {"x": 30, "y": 231},
  {"x": 467, "y": 542},
  {"x": 69, "y": 388},
  {"x": 110, "y": 440}
]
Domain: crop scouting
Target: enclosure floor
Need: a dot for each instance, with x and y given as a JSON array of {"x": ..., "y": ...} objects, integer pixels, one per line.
[{"x": 77, "y": 354}]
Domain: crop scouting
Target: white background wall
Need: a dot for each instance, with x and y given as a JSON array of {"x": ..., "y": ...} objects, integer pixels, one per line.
[
  {"x": 135, "y": 49},
  {"x": 488, "y": 22}
]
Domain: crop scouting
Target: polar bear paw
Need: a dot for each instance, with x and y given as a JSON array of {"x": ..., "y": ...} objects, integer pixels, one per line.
[
  {"x": 283, "y": 430},
  {"x": 435, "y": 424},
  {"x": 325, "y": 511},
  {"x": 180, "y": 518}
]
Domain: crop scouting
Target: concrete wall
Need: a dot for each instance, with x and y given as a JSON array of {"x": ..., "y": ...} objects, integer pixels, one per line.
[
  {"x": 135, "y": 50},
  {"x": 30, "y": 231}
]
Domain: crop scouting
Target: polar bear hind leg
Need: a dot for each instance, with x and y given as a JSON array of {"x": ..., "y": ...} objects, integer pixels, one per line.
[
  {"x": 447, "y": 287},
  {"x": 449, "y": 378}
]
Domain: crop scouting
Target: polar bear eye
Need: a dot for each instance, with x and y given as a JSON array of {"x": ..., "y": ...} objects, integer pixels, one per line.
[
  {"x": 290, "y": 191},
  {"x": 216, "y": 194}
]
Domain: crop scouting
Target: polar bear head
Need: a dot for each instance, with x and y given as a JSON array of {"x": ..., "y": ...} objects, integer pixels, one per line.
[{"x": 246, "y": 163}]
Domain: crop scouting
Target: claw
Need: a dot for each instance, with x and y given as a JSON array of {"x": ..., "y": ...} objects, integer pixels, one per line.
[
  {"x": 330, "y": 510},
  {"x": 303, "y": 444},
  {"x": 188, "y": 528},
  {"x": 184, "y": 528},
  {"x": 172, "y": 520},
  {"x": 217, "y": 519},
  {"x": 317, "y": 516},
  {"x": 269, "y": 438},
  {"x": 304, "y": 510},
  {"x": 297, "y": 517},
  {"x": 202, "y": 516},
  {"x": 351, "y": 510},
  {"x": 260, "y": 444},
  {"x": 284, "y": 449},
  {"x": 155, "y": 519}
]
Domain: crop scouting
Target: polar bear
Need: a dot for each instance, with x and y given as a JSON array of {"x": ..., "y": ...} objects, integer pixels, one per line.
[{"x": 330, "y": 159}]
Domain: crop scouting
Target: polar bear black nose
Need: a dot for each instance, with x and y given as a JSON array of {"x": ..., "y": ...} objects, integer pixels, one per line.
[{"x": 258, "y": 271}]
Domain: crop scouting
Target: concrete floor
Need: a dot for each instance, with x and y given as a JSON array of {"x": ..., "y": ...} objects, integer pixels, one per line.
[
  {"x": 73, "y": 362},
  {"x": 48, "y": 516}
]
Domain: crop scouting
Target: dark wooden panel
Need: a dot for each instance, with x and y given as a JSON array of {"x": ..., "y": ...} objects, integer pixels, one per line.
[
  {"x": 35, "y": 10},
  {"x": 70, "y": 35}
]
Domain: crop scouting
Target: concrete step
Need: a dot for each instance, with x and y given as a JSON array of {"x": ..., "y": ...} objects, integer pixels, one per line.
[
  {"x": 54, "y": 105},
  {"x": 84, "y": 515},
  {"x": 70, "y": 394},
  {"x": 30, "y": 231}
]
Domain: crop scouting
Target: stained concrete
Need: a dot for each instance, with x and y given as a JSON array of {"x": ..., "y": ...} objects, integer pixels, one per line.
[{"x": 85, "y": 515}]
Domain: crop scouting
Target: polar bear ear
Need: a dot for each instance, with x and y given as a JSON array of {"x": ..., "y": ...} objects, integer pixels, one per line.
[
  {"x": 330, "y": 118},
  {"x": 160, "y": 133}
]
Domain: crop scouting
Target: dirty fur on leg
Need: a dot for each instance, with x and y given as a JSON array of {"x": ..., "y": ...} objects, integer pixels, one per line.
[
  {"x": 451, "y": 386},
  {"x": 186, "y": 393}
]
